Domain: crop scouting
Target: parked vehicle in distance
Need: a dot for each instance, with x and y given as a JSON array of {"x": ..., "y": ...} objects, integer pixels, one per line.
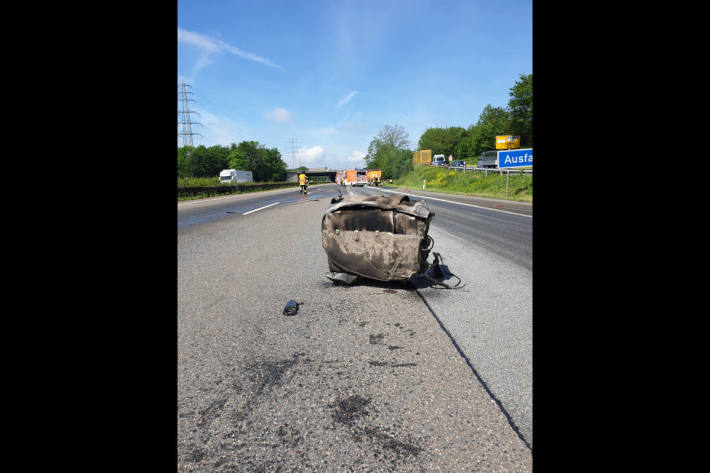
[
  {"x": 356, "y": 177},
  {"x": 235, "y": 175},
  {"x": 439, "y": 160},
  {"x": 422, "y": 157},
  {"x": 458, "y": 164},
  {"x": 488, "y": 159},
  {"x": 374, "y": 176}
]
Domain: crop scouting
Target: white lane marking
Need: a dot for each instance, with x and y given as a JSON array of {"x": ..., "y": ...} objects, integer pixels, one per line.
[
  {"x": 460, "y": 203},
  {"x": 260, "y": 208}
]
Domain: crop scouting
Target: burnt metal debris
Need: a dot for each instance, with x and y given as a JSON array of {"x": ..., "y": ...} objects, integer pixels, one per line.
[
  {"x": 377, "y": 237},
  {"x": 385, "y": 238},
  {"x": 335, "y": 200}
]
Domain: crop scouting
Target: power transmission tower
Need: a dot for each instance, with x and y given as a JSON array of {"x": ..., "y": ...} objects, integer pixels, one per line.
[
  {"x": 293, "y": 152},
  {"x": 184, "y": 118}
]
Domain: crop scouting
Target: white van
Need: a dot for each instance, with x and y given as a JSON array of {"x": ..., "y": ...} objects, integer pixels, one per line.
[
  {"x": 235, "y": 175},
  {"x": 439, "y": 160}
]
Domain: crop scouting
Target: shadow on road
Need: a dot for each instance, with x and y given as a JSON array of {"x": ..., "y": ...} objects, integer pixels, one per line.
[{"x": 419, "y": 281}]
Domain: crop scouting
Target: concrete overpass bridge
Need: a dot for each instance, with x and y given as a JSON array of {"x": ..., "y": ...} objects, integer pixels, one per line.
[{"x": 312, "y": 172}]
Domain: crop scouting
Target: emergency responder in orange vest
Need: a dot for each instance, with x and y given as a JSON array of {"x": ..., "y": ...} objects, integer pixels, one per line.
[{"x": 303, "y": 182}]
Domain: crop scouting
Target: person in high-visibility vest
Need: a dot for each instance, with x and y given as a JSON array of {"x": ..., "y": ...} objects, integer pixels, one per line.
[{"x": 303, "y": 182}]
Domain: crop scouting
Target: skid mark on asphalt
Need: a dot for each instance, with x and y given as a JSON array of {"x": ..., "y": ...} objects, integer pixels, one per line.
[{"x": 352, "y": 411}]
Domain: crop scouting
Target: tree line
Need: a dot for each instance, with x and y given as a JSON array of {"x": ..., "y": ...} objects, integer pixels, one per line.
[
  {"x": 265, "y": 164},
  {"x": 389, "y": 150}
]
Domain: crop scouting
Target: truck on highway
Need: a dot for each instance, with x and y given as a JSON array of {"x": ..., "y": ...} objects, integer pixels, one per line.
[
  {"x": 356, "y": 177},
  {"x": 374, "y": 176},
  {"x": 422, "y": 157},
  {"x": 361, "y": 177},
  {"x": 235, "y": 175},
  {"x": 488, "y": 159},
  {"x": 350, "y": 177}
]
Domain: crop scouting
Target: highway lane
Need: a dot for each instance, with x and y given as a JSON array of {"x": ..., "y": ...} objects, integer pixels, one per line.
[
  {"x": 482, "y": 222},
  {"x": 490, "y": 249},
  {"x": 362, "y": 379},
  {"x": 490, "y": 319},
  {"x": 193, "y": 212}
]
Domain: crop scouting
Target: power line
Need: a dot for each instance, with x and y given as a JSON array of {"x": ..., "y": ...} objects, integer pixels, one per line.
[
  {"x": 216, "y": 127},
  {"x": 184, "y": 117},
  {"x": 293, "y": 152}
]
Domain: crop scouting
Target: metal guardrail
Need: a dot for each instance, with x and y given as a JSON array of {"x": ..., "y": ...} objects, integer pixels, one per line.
[
  {"x": 229, "y": 189},
  {"x": 493, "y": 170}
]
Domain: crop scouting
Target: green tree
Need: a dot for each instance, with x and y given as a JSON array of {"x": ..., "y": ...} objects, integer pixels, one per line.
[
  {"x": 492, "y": 121},
  {"x": 433, "y": 139},
  {"x": 391, "y": 160},
  {"x": 183, "y": 154},
  {"x": 196, "y": 162},
  {"x": 520, "y": 108},
  {"x": 394, "y": 136},
  {"x": 442, "y": 140},
  {"x": 389, "y": 152},
  {"x": 217, "y": 159},
  {"x": 265, "y": 164},
  {"x": 243, "y": 156},
  {"x": 464, "y": 146},
  {"x": 272, "y": 167},
  {"x": 401, "y": 163}
]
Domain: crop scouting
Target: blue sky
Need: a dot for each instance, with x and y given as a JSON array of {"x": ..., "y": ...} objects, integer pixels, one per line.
[{"x": 331, "y": 74}]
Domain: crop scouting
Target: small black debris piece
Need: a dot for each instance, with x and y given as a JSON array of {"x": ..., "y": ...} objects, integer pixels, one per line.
[
  {"x": 335, "y": 200},
  {"x": 291, "y": 308}
]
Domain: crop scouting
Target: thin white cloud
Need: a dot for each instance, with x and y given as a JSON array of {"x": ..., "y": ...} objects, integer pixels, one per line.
[
  {"x": 218, "y": 130},
  {"x": 356, "y": 156},
  {"x": 278, "y": 115},
  {"x": 346, "y": 99},
  {"x": 208, "y": 46},
  {"x": 310, "y": 155}
]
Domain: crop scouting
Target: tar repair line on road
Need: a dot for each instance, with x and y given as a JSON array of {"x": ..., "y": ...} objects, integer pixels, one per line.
[{"x": 468, "y": 362}]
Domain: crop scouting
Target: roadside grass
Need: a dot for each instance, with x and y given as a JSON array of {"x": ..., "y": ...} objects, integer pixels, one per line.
[
  {"x": 244, "y": 187},
  {"x": 198, "y": 181},
  {"x": 475, "y": 183}
]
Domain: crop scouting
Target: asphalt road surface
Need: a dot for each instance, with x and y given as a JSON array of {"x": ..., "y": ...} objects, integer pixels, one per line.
[{"x": 370, "y": 377}]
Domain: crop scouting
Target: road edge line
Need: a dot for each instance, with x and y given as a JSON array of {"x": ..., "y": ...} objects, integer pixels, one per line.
[{"x": 460, "y": 203}]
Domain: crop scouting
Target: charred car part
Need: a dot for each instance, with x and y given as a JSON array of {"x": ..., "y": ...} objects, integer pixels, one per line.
[
  {"x": 377, "y": 237},
  {"x": 335, "y": 200},
  {"x": 435, "y": 270}
]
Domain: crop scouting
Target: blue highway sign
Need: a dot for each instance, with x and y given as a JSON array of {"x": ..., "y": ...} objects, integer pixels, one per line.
[{"x": 515, "y": 158}]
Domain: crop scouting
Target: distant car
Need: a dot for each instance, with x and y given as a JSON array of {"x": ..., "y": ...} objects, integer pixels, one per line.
[{"x": 458, "y": 164}]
